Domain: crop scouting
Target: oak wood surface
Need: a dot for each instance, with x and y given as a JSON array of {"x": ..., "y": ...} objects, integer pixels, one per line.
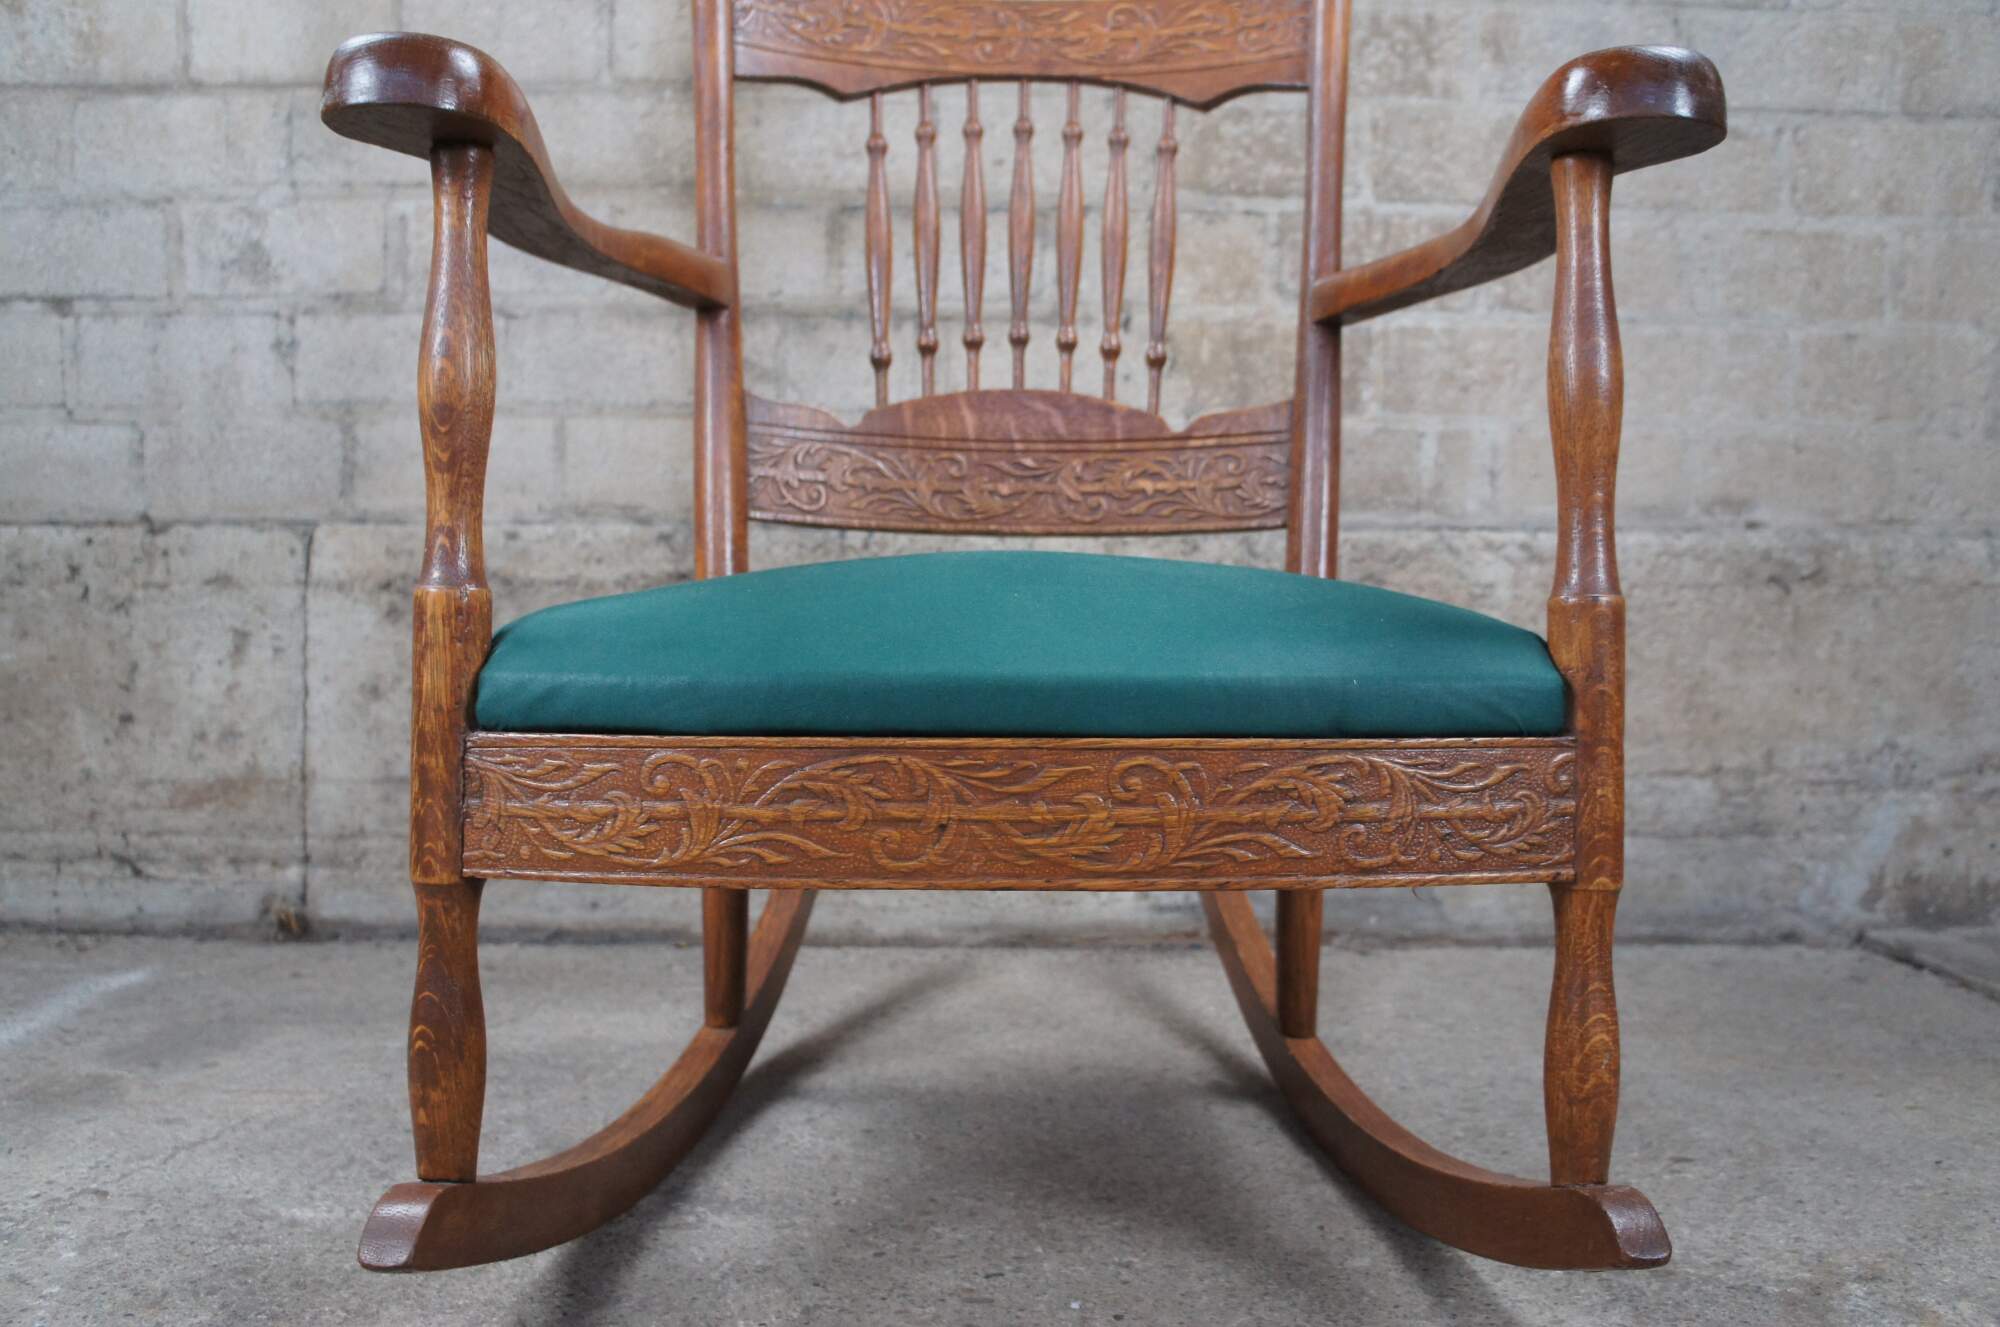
[
  {"x": 1300, "y": 914},
  {"x": 796, "y": 815},
  {"x": 924, "y": 225},
  {"x": 429, "y": 1227},
  {"x": 447, "y": 1044},
  {"x": 1200, "y": 51},
  {"x": 410, "y": 92},
  {"x": 1021, "y": 236},
  {"x": 1312, "y": 533},
  {"x": 1638, "y": 105},
  {"x": 972, "y": 235},
  {"x": 1018, "y": 462},
  {"x": 1582, "y": 1226},
  {"x": 1114, "y": 226},
  {"x": 993, "y": 813},
  {"x": 1586, "y": 617},
  {"x": 1160, "y": 255}
]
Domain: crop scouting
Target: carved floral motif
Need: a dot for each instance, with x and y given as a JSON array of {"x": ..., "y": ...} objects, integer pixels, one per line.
[
  {"x": 1156, "y": 36},
  {"x": 1024, "y": 814},
  {"x": 809, "y": 479}
]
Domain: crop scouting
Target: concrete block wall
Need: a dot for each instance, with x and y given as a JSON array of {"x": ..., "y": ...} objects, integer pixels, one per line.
[{"x": 210, "y": 487}]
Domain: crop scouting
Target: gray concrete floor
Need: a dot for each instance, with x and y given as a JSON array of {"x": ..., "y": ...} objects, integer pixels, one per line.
[{"x": 193, "y": 1131}]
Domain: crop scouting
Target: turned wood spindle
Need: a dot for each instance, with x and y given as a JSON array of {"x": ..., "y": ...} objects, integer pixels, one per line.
[
  {"x": 880, "y": 245},
  {"x": 1021, "y": 238},
  {"x": 1587, "y": 641},
  {"x": 1069, "y": 236},
  {"x": 453, "y": 625},
  {"x": 1116, "y": 229},
  {"x": 1160, "y": 267},
  {"x": 925, "y": 224},
  {"x": 972, "y": 235}
]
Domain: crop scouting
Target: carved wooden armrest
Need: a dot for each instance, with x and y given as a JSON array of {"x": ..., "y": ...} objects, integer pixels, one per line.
[
  {"x": 1639, "y": 105},
  {"x": 413, "y": 92}
]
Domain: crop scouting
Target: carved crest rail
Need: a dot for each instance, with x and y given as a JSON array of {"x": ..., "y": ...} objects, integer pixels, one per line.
[
  {"x": 1198, "y": 50},
  {"x": 1119, "y": 471},
  {"x": 981, "y": 813}
]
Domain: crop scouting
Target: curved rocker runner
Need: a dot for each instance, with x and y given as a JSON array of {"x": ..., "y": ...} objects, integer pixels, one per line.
[
  {"x": 428, "y": 1227},
  {"x": 1014, "y": 721}
]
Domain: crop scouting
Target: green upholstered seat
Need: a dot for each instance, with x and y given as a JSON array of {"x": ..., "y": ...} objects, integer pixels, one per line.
[{"x": 1019, "y": 644}]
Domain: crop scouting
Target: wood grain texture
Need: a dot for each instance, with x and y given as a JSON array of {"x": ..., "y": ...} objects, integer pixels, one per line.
[
  {"x": 1312, "y": 540},
  {"x": 988, "y": 813},
  {"x": 1300, "y": 913},
  {"x": 1587, "y": 642},
  {"x": 1114, "y": 232},
  {"x": 1221, "y": 817},
  {"x": 1580, "y": 1058},
  {"x": 721, "y": 498},
  {"x": 881, "y": 251},
  {"x": 972, "y": 235},
  {"x": 1069, "y": 239},
  {"x": 924, "y": 227},
  {"x": 1160, "y": 255},
  {"x": 1638, "y": 105},
  {"x": 447, "y": 1045},
  {"x": 1586, "y": 615},
  {"x": 1483, "y": 1212},
  {"x": 1021, "y": 237},
  {"x": 1026, "y": 462},
  {"x": 411, "y": 92},
  {"x": 429, "y": 1227},
  {"x": 725, "y": 929},
  {"x": 453, "y": 609},
  {"x": 1200, "y": 51}
]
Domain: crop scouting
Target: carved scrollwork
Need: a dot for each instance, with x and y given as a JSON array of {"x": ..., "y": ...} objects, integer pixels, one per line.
[
  {"x": 1111, "y": 36},
  {"x": 1048, "y": 816},
  {"x": 814, "y": 480}
]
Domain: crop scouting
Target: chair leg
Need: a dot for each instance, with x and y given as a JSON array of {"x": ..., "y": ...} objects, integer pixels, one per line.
[
  {"x": 1299, "y": 915},
  {"x": 447, "y": 1060},
  {"x": 1580, "y": 1064},
  {"x": 1574, "y": 1226},
  {"x": 725, "y": 940},
  {"x": 428, "y": 1226}
]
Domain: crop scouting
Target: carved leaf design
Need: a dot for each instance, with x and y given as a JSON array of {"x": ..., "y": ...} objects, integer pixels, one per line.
[
  {"x": 1243, "y": 485},
  {"x": 1034, "y": 815}
]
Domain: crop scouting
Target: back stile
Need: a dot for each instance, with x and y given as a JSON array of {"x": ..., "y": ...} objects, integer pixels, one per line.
[
  {"x": 1160, "y": 270},
  {"x": 1116, "y": 229},
  {"x": 972, "y": 235},
  {"x": 1069, "y": 235},
  {"x": 1312, "y": 539},
  {"x": 1021, "y": 238},
  {"x": 926, "y": 227},
  {"x": 880, "y": 268}
]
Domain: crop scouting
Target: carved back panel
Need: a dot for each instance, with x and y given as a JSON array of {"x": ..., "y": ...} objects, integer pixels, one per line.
[{"x": 1007, "y": 455}]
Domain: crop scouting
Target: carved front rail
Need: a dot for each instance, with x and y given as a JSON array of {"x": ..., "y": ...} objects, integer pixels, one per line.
[{"x": 985, "y": 813}]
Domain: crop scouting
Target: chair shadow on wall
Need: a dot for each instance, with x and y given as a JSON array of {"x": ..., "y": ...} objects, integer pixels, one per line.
[{"x": 586, "y": 1284}]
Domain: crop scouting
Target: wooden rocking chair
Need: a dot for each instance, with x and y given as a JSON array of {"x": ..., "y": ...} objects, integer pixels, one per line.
[{"x": 1004, "y": 720}]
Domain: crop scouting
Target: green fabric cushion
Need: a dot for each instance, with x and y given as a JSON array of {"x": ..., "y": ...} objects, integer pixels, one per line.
[{"x": 1019, "y": 644}]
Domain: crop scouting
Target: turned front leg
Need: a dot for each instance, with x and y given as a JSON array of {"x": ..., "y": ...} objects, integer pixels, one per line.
[
  {"x": 453, "y": 628},
  {"x": 1587, "y": 641},
  {"x": 447, "y": 1033}
]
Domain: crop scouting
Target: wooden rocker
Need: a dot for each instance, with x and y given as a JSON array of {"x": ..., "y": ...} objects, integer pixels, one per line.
[{"x": 1017, "y": 720}]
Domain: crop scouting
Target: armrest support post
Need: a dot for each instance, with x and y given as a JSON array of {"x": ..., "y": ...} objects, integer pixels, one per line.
[
  {"x": 454, "y": 610},
  {"x": 1586, "y": 606},
  {"x": 1587, "y": 640}
]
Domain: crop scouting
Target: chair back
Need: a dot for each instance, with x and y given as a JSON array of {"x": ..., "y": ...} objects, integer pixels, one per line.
[{"x": 1005, "y": 455}]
